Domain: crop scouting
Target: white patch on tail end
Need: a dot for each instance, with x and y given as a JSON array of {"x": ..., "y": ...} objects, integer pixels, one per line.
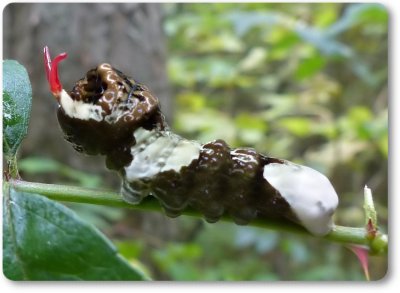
[{"x": 308, "y": 192}]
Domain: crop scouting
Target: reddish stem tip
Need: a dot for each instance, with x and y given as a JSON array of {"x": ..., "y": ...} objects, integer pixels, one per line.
[{"x": 51, "y": 68}]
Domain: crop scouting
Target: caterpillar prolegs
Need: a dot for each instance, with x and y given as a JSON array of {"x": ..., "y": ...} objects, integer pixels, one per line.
[{"x": 108, "y": 113}]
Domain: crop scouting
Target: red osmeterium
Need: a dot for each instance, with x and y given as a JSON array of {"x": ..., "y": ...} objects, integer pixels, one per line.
[{"x": 51, "y": 68}]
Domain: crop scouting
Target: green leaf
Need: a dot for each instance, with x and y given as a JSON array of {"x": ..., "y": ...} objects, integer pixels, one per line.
[
  {"x": 310, "y": 66},
  {"x": 251, "y": 128},
  {"x": 43, "y": 240},
  {"x": 326, "y": 14},
  {"x": 297, "y": 125},
  {"x": 17, "y": 101}
]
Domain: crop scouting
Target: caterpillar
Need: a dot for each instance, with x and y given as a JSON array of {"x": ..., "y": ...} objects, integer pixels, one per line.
[{"x": 110, "y": 114}]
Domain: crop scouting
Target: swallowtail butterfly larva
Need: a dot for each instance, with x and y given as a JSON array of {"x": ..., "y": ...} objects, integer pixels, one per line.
[{"x": 110, "y": 114}]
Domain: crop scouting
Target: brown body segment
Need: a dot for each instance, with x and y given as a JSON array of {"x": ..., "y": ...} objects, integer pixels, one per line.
[
  {"x": 113, "y": 136},
  {"x": 220, "y": 181}
]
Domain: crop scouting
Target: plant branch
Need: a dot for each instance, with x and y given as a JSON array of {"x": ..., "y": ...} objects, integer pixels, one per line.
[{"x": 341, "y": 234}]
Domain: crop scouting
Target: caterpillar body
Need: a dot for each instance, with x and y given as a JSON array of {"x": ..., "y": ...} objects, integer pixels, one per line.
[{"x": 108, "y": 113}]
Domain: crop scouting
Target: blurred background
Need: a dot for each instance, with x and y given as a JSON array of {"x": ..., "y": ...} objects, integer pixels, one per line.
[{"x": 304, "y": 82}]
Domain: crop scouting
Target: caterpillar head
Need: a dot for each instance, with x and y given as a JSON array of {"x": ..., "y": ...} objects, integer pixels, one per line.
[{"x": 103, "y": 109}]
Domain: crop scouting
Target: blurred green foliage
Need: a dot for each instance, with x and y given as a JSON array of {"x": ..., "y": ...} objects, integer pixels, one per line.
[
  {"x": 41, "y": 165},
  {"x": 305, "y": 82}
]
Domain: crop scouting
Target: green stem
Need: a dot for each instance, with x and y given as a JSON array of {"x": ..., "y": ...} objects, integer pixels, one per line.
[
  {"x": 11, "y": 168},
  {"x": 346, "y": 235}
]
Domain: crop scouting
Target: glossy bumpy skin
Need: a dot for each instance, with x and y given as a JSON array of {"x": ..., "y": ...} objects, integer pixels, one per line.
[{"x": 108, "y": 113}]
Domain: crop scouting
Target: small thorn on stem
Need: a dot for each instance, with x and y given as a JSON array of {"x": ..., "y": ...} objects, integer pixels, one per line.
[
  {"x": 362, "y": 255},
  {"x": 51, "y": 68}
]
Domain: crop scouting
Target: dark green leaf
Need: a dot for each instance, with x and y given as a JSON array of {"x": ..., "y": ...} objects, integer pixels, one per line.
[
  {"x": 17, "y": 101},
  {"x": 43, "y": 240}
]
